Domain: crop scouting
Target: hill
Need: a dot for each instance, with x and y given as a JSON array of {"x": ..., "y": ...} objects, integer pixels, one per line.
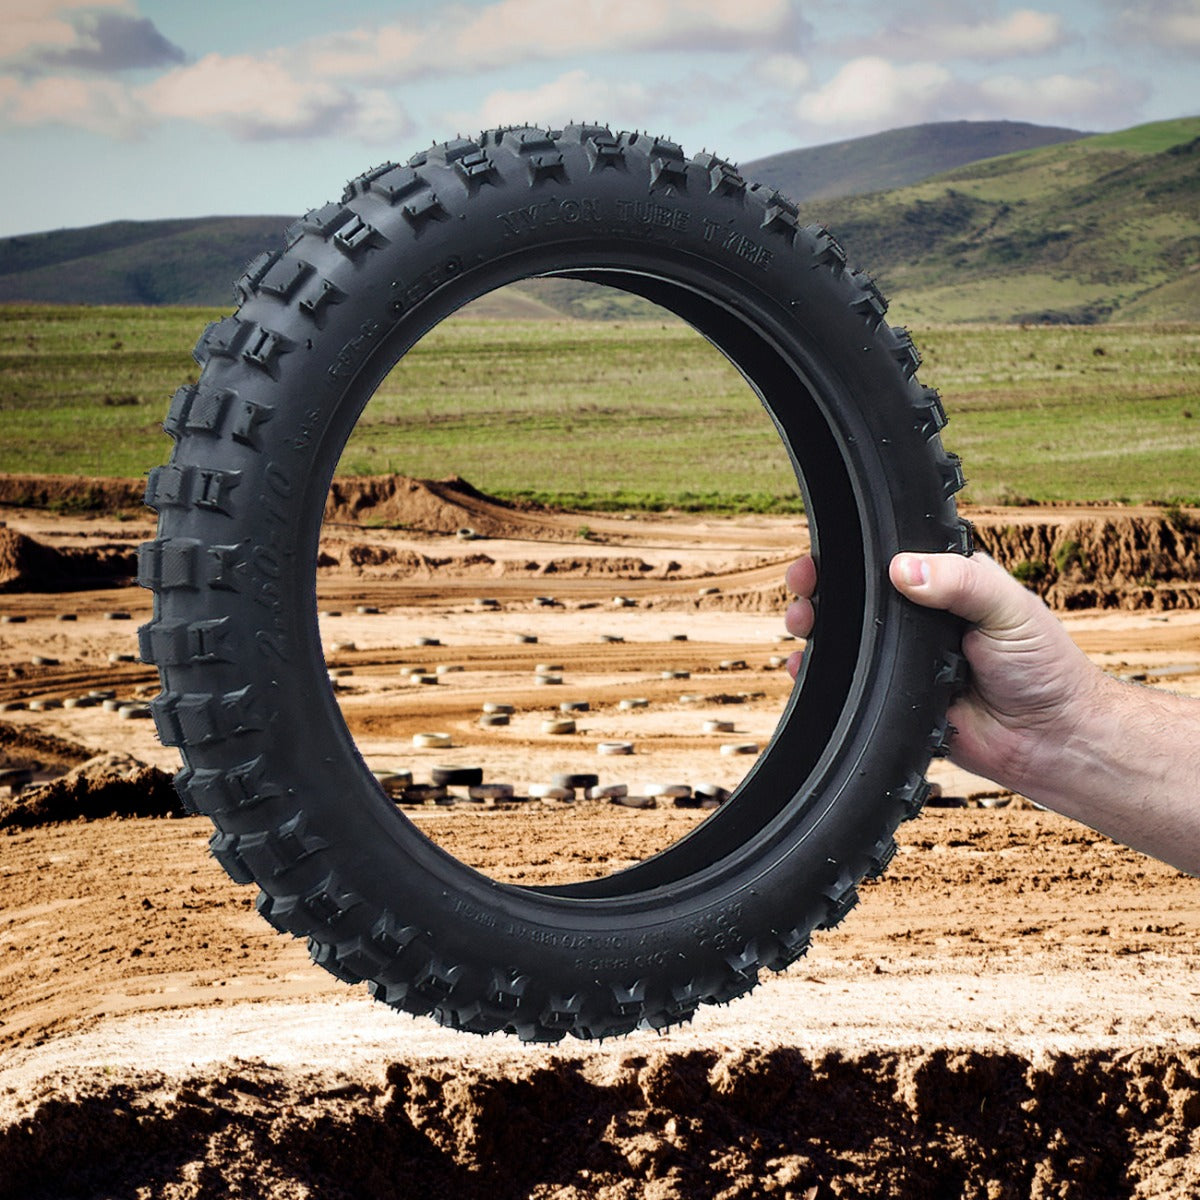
[
  {"x": 136, "y": 262},
  {"x": 1081, "y": 229},
  {"x": 195, "y": 261},
  {"x": 1102, "y": 228},
  {"x": 897, "y": 158}
]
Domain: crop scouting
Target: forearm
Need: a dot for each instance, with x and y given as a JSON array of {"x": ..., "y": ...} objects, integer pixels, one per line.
[{"x": 1129, "y": 768}]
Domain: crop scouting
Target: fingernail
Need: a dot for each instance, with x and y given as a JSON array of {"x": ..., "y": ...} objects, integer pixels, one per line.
[{"x": 914, "y": 570}]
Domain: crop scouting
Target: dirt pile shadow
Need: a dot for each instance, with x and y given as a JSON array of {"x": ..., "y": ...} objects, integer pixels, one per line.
[
  {"x": 109, "y": 785},
  {"x": 27, "y": 565},
  {"x": 908, "y": 1125}
]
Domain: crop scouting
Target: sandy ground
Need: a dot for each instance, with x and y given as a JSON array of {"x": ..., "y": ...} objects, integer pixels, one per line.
[{"x": 1011, "y": 1011}]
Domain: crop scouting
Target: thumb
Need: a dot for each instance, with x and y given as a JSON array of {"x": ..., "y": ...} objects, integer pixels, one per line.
[{"x": 977, "y": 589}]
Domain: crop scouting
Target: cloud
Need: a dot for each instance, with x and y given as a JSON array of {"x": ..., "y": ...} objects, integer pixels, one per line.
[
  {"x": 1059, "y": 97},
  {"x": 99, "y": 35},
  {"x": 871, "y": 93},
  {"x": 255, "y": 99},
  {"x": 527, "y": 29},
  {"x": 786, "y": 71},
  {"x": 113, "y": 42},
  {"x": 1021, "y": 33},
  {"x": 344, "y": 83},
  {"x": 98, "y": 105},
  {"x": 509, "y": 32},
  {"x": 573, "y": 96},
  {"x": 368, "y": 55},
  {"x": 1172, "y": 25}
]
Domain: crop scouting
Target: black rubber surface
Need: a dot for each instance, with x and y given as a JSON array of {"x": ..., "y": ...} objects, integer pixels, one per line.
[{"x": 245, "y": 694}]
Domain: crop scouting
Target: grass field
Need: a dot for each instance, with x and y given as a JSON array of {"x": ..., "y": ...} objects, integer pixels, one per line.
[{"x": 633, "y": 413}]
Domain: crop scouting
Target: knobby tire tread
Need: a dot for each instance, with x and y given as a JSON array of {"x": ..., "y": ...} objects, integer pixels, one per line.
[{"x": 317, "y": 324}]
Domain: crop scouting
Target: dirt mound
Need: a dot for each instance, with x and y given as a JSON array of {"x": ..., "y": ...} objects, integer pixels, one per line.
[
  {"x": 390, "y": 562},
  {"x": 621, "y": 566},
  {"x": 428, "y": 505},
  {"x": 771, "y": 598},
  {"x": 72, "y": 493},
  {"x": 22, "y": 746},
  {"x": 1129, "y": 562},
  {"x": 27, "y": 565},
  {"x": 906, "y": 1124},
  {"x": 109, "y": 785}
]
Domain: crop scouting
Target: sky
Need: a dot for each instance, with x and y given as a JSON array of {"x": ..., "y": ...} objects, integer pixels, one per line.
[{"x": 143, "y": 109}]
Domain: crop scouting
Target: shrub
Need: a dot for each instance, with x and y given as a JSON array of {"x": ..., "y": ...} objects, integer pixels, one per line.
[{"x": 1030, "y": 571}]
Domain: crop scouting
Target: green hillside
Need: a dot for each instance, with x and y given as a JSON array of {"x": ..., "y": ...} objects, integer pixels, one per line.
[
  {"x": 1099, "y": 228},
  {"x": 136, "y": 262},
  {"x": 195, "y": 261},
  {"x": 1103, "y": 228},
  {"x": 897, "y": 158}
]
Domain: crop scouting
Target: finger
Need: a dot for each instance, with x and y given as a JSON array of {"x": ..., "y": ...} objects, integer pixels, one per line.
[
  {"x": 793, "y": 662},
  {"x": 976, "y": 589},
  {"x": 799, "y": 618},
  {"x": 801, "y": 577}
]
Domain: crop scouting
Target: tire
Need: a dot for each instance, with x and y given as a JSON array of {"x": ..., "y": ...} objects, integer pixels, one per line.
[
  {"x": 576, "y": 780},
  {"x": 457, "y": 776},
  {"x": 245, "y": 694}
]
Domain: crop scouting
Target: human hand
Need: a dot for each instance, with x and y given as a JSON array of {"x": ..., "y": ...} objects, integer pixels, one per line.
[{"x": 1030, "y": 684}]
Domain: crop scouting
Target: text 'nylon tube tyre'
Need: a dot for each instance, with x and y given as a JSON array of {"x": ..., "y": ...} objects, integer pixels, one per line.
[{"x": 245, "y": 692}]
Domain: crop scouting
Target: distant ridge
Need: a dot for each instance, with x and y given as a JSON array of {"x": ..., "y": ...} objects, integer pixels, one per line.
[
  {"x": 1079, "y": 228},
  {"x": 897, "y": 158},
  {"x": 1102, "y": 228},
  {"x": 191, "y": 261}
]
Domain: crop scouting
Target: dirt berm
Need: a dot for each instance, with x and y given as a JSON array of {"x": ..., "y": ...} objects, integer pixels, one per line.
[
  {"x": 901, "y": 1124},
  {"x": 1135, "y": 559},
  {"x": 1127, "y": 562},
  {"x": 436, "y": 506}
]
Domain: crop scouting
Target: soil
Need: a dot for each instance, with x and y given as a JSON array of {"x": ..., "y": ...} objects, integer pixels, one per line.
[{"x": 1010, "y": 1012}]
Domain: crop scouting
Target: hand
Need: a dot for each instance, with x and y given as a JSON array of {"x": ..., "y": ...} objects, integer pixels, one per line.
[
  {"x": 1041, "y": 720},
  {"x": 1030, "y": 683}
]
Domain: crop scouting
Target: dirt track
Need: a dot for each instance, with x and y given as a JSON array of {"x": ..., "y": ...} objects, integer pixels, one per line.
[{"x": 1009, "y": 1013}]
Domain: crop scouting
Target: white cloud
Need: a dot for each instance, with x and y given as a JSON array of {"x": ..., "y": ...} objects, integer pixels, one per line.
[
  {"x": 573, "y": 96},
  {"x": 344, "y": 83},
  {"x": 873, "y": 92},
  {"x": 525, "y": 29},
  {"x": 255, "y": 99},
  {"x": 367, "y": 55},
  {"x": 1168, "y": 24},
  {"x": 936, "y": 35},
  {"x": 508, "y": 32},
  {"x": 787, "y": 71},
  {"x": 38, "y": 25},
  {"x": 1058, "y": 97},
  {"x": 101, "y": 106},
  {"x": 1025, "y": 31}
]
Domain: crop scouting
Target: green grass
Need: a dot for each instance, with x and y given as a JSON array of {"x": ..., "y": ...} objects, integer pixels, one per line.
[
  {"x": 1104, "y": 413},
  {"x": 632, "y": 414},
  {"x": 1090, "y": 231},
  {"x": 84, "y": 390},
  {"x": 1149, "y": 139}
]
